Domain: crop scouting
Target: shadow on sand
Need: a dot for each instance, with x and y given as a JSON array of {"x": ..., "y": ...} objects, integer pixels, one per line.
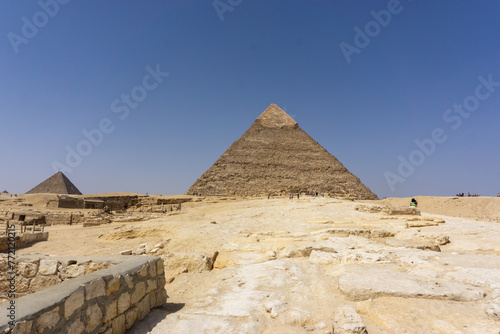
[{"x": 154, "y": 317}]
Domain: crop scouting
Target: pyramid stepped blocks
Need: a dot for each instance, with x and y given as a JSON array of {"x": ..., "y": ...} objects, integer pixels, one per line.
[
  {"x": 275, "y": 156},
  {"x": 56, "y": 184}
]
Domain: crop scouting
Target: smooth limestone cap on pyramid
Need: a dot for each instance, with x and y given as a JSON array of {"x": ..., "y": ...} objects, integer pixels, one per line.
[
  {"x": 56, "y": 184},
  {"x": 275, "y": 156}
]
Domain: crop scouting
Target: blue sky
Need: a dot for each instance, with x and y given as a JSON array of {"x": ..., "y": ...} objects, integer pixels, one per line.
[{"x": 63, "y": 78}]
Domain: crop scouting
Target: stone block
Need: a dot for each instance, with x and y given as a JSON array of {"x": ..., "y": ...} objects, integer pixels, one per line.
[
  {"x": 41, "y": 282},
  {"x": 27, "y": 269},
  {"x": 123, "y": 302},
  {"x": 131, "y": 317},
  {"x": 114, "y": 285},
  {"x": 151, "y": 285},
  {"x": 118, "y": 324},
  {"x": 95, "y": 289},
  {"x": 75, "y": 270},
  {"x": 23, "y": 327},
  {"x": 161, "y": 297},
  {"x": 73, "y": 303},
  {"x": 48, "y": 320},
  {"x": 144, "y": 271},
  {"x": 129, "y": 280},
  {"x": 143, "y": 307},
  {"x": 48, "y": 267},
  {"x": 76, "y": 327},
  {"x": 111, "y": 310},
  {"x": 22, "y": 284},
  {"x": 152, "y": 299},
  {"x": 152, "y": 268},
  {"x": 93, "y": 317},
  {"x": 139, "y": 292},
  {"x": 160, "y": 269}
]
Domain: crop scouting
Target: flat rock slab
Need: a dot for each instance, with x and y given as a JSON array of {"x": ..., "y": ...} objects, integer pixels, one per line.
[{"x": 361, "y": 284}]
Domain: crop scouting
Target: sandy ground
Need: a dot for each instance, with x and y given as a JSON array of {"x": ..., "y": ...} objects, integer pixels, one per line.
[
  {"x": 282, "y": 265},
  {"x": 481, "y": 208}
]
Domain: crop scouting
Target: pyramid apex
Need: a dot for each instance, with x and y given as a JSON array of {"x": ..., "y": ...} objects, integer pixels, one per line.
[{"x": 275, "y": 117}]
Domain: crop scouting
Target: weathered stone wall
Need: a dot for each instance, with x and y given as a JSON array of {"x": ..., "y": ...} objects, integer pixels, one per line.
[
  {"x": 22, "y": 240},
  {"x": 107, "y": 301},
  {"x": 64, "y": 218},
  {"x": 34, "y": 273}
]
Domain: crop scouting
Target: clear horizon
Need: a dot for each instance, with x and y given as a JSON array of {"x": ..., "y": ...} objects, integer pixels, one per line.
[{"x": 145, "y": 97}]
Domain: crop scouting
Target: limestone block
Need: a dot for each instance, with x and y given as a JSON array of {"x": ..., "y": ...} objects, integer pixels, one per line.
[
  {"x": 95, "y": 289},
  {"x": 143, "y": 307},
  {"x": 118, "y": 324},
  {"x": 48, "y": 320},
  {"x": 111, "y": 310},
  {"x": 129, "y": 280},
  {"x": 160, "y": 269},
  {"x": 139, "y": 292},
  {"x": 48, "y": 267},
  {"x": 75, "y": 270},
  {"x": 27, "y": 269},
  {"x": 76, "y": 327},
  {"x": 93, "y": 317},
  {"x": 152, "y": 268},
  {"x": 123, "y": 302},
  {"x": 41, "y": 282},
  {"x": 139, "y": 251},
  {"x": 161, "y": 297},
  {"x": 73, "y": 302},
  {"x": 23, "y": 327},
  {"x": 347, "y": 321},
  {"x": 144, "y": 270},
  {"x": 22, "y": 284},
  {"x": 152, "y": 299},
  {"x": 131, "y": 317},
  {"x": 190, "y": 261},
  {"x": 151, "y": 285},
  {"x": 113, "y": 285},
  {"x": 126, "y": 252}
]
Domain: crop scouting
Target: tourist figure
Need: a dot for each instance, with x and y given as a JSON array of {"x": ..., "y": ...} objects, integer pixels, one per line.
[{"x": 413, "y": 202}]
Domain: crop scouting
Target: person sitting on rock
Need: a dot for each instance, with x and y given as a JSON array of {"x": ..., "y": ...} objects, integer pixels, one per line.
[{"x": 413, "y": 202}]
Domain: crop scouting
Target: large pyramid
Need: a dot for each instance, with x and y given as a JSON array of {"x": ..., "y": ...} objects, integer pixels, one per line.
[
  {"x": 56, "y": 184},
  {"x": 276, "y": 156}
]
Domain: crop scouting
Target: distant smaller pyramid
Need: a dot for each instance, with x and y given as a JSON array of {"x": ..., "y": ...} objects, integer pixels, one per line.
[
  {"x": 5, "y": 192},
  {"x": 56, "y": 184}
]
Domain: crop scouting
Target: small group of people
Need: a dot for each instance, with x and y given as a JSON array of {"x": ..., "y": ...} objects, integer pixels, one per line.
[
  {"x": 292, "y": 196},
  {"x": 469, "y": 195}
]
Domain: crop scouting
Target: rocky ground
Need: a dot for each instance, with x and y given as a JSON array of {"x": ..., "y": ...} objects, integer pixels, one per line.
[{"x": 303, "y": 266}]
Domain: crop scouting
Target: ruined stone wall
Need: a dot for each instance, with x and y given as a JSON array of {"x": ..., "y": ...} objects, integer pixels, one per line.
[
  {"x": 22, "y": 240},
  {"x": 34, "y": 273},
  {"x": 64, "y": 218},
  {"x": 107, "y": 301}
]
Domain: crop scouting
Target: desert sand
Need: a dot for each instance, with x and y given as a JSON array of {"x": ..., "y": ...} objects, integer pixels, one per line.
[{"x": 258, "y": 265}]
